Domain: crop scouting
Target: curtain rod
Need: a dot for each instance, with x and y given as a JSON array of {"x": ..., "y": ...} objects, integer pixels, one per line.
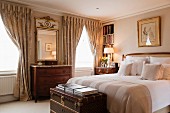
[{"x": 81, "y": 17}]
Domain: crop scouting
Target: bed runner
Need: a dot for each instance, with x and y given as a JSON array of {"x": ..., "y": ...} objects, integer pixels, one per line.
[{"x": 122, "y": 96}]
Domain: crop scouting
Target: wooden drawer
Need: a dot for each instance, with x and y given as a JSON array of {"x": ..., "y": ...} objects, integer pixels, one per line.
[
  {"x": 109, "y": 70},
  {"x": 53, "y": 71},
  {"x": 44, "y": 91},
  {"x": 55, "y": 79},
  {"x": 105, "y": 70}
]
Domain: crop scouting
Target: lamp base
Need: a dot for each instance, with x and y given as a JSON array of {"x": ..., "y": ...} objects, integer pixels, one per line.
[{"x": 108, "y": 61}]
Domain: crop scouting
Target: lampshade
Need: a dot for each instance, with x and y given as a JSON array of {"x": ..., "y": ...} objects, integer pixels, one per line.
[
  {"x": 108, "y": 50},
  {"x": 54, "y": 53}
]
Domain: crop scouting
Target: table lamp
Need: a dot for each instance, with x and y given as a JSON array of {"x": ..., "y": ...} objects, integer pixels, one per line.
[
  {"x": 54, "y": 53},
  {"x": 108, "y": 51}
]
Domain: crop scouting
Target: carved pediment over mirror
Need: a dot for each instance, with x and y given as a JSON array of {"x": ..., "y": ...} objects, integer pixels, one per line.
[{"x": 47, "y": 34}]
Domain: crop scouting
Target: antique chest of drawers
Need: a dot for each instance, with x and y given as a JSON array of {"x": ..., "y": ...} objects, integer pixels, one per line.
[
  {"x": 62, "y": 102},
  {"x": 44, "y": 77}
]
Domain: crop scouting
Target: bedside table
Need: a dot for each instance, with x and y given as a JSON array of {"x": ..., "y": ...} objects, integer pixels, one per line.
[{"x": 105, "y": 70}]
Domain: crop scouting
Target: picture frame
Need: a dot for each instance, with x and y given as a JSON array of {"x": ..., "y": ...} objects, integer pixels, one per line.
[
  {"x": 110, "y": 39},
  {"x": 48, "y": 47},
  {"x": 149, "y": 32}
]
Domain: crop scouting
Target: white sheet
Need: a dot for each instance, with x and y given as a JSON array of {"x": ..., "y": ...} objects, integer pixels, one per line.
[{"x": 159, "y": 89}]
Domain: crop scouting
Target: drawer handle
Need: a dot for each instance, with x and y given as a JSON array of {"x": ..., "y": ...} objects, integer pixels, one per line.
[
  {"x": 107, "y": 70},
  {"x": 62, "y": 100},
  {"x": 99, "y": 70}
]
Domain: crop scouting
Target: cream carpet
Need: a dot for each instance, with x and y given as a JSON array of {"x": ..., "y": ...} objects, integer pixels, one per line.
[{"x": 42, "y": 106}]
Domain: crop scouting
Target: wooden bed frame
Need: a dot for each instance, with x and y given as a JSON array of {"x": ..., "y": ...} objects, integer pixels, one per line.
[{"x": 154, "y": 54}]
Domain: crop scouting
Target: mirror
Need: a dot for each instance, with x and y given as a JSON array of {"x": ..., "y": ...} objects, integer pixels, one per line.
[{"x": 47, "y": 34}]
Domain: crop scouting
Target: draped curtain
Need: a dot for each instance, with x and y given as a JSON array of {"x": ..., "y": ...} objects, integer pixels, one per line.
[
  {"x": 17, "y": 20},
  {"x": 72, "y": 29},
  {"x": 94, "y": 30}
]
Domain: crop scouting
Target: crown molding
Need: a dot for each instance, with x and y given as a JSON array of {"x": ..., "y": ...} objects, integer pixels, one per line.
[
  {"x": 40, "y": 8},
  {"x": 48, "y": 10},
  {"x": 109, "y": 21},
  {"x": 53, "y": 11}
]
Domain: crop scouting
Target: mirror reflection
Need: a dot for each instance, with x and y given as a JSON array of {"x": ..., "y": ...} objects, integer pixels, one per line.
[
  {"x": 46, "y": 44},
  {"x": 47, "y": 34}
]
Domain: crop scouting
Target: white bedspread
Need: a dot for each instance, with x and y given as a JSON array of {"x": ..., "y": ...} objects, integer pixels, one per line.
[{"x": 159, "y": 90}]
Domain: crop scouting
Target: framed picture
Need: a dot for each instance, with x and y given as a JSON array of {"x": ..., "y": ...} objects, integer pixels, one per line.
[
  {"x": 104, "y": 39},
  {"x": 149, "y": 32},
  {"x": 110, "y": 39},
  {"x": 48, "y": 47}
]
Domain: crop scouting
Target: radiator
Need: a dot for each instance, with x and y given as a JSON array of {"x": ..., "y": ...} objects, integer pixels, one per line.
[{"x": 7, "y": 83}]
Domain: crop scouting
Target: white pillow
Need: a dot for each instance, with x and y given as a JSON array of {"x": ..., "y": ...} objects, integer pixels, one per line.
[
  {"x": 125, "y": 69},
  {"x": 137, "y": 64},
  {"x": 160, "y": 60},
  {"x": 166, "y": 71},
  {"x": 137, "y": 67},
  {"x": 151, "y": 71}
]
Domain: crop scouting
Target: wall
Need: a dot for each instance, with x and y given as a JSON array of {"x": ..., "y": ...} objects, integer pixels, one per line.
[{"x": 126, "y": 34}]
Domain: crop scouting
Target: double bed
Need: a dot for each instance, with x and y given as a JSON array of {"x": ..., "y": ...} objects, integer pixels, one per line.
[{"x": 133, "y": 93}]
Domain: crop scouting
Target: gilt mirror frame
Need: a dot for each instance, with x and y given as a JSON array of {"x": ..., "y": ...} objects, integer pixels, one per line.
[
  {"x": 48, "y": 24},
  {"x": 149, "y": 32}
]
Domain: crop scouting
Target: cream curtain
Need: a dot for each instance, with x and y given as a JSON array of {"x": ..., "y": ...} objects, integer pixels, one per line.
[
  {"x": 94, "y": 29},
  {"x": 72, "y": 29},
  {"x": 17, "y": 20}
]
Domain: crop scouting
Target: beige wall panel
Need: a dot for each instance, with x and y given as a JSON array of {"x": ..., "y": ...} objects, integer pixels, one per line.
[{"x": 126, "y": 34}]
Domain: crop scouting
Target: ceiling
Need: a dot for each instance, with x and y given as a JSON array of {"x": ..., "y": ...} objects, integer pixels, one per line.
[{"x": 105, "y": 10}]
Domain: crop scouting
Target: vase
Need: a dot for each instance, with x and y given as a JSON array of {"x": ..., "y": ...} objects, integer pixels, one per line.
[{"x": 102, "y": 64}]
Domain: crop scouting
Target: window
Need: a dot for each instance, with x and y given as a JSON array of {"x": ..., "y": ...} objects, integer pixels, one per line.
[
  {"x": 84, "y": 56},
  {"x": 9, "y": 54}
]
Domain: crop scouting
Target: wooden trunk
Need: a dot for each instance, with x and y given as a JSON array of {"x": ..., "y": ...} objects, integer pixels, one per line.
[{"x": 62, "y": 102}]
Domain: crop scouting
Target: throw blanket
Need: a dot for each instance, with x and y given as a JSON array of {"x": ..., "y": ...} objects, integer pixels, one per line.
[{"x": 122, "y": 96}]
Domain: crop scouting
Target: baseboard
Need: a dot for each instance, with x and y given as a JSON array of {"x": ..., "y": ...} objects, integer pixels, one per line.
[{"x": 7, "y": 98}]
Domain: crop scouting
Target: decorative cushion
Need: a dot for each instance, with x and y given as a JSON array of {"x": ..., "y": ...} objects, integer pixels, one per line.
[
  {"x": 125, "y": 69},
  {"x": 166, "y": 71},
  {"x": 137, "y": 67},
  {"x": 160, "y": 60},
  {"x": 151, "y": 72}
]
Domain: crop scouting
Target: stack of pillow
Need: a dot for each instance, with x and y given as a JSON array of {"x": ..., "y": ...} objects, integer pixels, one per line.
[{"x": 149, "y": 68}]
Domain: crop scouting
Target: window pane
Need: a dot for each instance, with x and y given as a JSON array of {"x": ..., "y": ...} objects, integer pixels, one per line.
[
  {"x": 9, "y": 53},
  {"x": 84, "y": 57}
]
